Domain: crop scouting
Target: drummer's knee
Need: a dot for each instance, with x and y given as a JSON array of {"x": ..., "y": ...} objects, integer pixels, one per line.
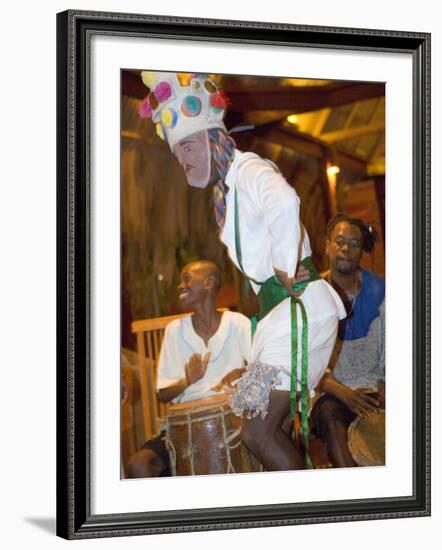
[
  {"x": 329, "y": 418},
  {"x": 334, "y": 429},
  {"x": 328, "y": 408},
  {"x": 145, "y": 463}
]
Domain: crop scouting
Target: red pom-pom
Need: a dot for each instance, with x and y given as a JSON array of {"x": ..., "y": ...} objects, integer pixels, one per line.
[{"x": 219, "y": 100}]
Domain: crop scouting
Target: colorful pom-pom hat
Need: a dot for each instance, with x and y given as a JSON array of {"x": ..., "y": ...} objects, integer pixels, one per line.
[{"x": 179, "y": 111}]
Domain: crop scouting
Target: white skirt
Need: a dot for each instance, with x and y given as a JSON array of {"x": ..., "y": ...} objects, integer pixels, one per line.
[{"x": 272, "y": 342}]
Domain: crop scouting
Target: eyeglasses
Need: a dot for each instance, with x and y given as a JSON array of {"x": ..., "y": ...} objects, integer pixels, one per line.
[{"x": 352, "y": 243}]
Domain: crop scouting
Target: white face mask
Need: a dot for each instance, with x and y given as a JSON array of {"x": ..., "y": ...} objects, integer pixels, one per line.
[{"x": 193, "y": 153}]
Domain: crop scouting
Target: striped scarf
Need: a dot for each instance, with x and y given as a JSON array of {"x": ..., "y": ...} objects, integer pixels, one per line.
[{"x": 221, "y": 147}]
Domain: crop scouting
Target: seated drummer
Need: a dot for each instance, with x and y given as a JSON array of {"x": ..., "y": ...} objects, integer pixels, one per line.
[
  {"x": 354, "y": 383},
  {"x": 201, "y": 353}
]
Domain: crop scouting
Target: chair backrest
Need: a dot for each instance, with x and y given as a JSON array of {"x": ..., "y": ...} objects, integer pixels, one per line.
[{"x": 150, "y": 333}]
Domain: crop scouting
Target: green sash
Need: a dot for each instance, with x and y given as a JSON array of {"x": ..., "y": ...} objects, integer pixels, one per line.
[{"x": 272, "y": 293}]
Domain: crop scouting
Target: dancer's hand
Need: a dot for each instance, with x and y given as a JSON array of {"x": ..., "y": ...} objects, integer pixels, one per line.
[{"x": 302, "y": 274}]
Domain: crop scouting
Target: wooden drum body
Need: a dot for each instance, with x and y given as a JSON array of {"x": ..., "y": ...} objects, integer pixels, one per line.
[
  {"x": 203, "y": 437},
  {"x": 366, "y": 440}
]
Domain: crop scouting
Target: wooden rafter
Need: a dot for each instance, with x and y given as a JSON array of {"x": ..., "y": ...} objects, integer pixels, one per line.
[
  {"x": 379, "y": 149},
  {"x": 354, "y": 108},
  {"x": 378, "y": 109},
  {"x": 350, "y": 133},
  {"x": 294, "y": 99},
  {"x": 321, "y": 121},
  {"x": 313, "y": 147}
]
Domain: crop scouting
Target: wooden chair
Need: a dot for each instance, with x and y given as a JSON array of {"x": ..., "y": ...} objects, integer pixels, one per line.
[{"x": 150, "y": 333}]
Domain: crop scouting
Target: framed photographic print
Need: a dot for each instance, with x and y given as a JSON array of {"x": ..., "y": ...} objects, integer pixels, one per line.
[{"x": 243, "y": 274}]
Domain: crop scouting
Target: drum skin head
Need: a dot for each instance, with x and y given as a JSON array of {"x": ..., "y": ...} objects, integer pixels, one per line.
[{"x": 366, "y": 440}]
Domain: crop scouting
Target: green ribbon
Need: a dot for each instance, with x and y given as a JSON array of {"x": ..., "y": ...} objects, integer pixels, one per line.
[
  {"x": 304, "y": 373},
  {"x": 272, "y": 293}
]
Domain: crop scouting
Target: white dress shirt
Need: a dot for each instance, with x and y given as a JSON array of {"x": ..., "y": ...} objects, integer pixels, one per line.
[
  {"x": 272, "y": 236},
  {"x": 230, "y": 348}
]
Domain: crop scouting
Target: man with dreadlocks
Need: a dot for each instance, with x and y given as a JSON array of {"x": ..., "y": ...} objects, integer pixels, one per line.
[
  {"x": 353, "y": 385},
  {"x": 257, "y": 213}
]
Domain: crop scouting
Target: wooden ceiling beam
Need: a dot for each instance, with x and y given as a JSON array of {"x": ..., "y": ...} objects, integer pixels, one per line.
[
  {"x": 301, "y": 100},
  {"x": 296, "y": 100},
  {"x": 321, "y": 121},
  {"x": 293, "y": 141},
  {"x": 358, "y": 91},
  {"x": 379, "y": 107},
  {"x": 350, "y": 133},
  {"x": 351, "y": 115},
  {"x": 313, "y": 147},
  {"x": 378, "y": 149},
  {"x": 351, "y": 162},
  {"x": 379, "y": 110}
]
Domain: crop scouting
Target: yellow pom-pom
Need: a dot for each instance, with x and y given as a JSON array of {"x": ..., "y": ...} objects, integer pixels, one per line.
[
  {"x": 149, "y": 78},
  {"x": 159, "y": 130},
  {"x": 166, "y": 117}
]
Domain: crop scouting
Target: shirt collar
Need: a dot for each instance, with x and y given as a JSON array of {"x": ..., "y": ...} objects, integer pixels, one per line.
[{"x": 217, "y": 341}]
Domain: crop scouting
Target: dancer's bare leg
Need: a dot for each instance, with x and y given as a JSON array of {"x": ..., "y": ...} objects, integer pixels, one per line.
[{"x": 266, "y": 439}]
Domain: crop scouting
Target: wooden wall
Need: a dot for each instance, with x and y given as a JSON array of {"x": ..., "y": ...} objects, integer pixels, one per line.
[{"x": 365, "y": 200}]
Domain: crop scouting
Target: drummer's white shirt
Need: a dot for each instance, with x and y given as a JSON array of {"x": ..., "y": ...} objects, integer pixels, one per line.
[
  {"x": 230, "y": 348},
  {"x": 272, "y": 236}
]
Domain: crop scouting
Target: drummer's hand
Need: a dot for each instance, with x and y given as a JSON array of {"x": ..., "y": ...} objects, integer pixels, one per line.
[
  {"x": 226, "y": 382},
  {"x": 196, "y": 367},
  {"x": 302, "y": 274},
  {"x": 360, "y": 403}
]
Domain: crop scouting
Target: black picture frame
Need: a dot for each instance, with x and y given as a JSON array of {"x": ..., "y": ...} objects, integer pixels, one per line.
[{"x": 74, "y": 31}]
